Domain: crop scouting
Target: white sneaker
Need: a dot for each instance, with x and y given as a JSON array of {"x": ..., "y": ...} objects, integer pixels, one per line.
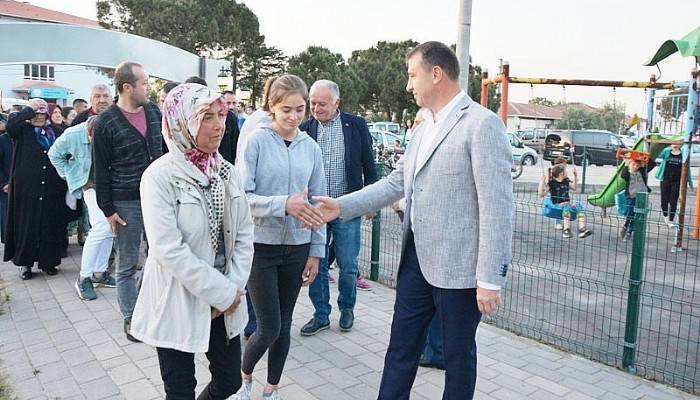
[
  {"x": 558, "y": 226},
  {"x": 665, "y": 219},
  {"x": 671, "y": 224},
  {"x": 272, "y": 396},
  {"x": 244, "y": 392}
]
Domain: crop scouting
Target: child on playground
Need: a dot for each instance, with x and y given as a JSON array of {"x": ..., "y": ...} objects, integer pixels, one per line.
[
  {"x": 558, "y": 186},
  {"x": 635, "y": 174},
  {"x": 669, "y": 173},
  {"x": 559, "y": 160}
]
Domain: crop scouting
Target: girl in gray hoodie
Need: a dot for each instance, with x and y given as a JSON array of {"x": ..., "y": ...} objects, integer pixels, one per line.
[{"x": 282, "y": 169}]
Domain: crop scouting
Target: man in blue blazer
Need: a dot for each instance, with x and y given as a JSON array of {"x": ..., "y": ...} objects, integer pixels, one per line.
[{"x": 349, "y": 166}]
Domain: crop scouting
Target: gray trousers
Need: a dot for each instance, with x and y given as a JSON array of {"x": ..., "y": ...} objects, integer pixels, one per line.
[{"x": 128, "y": 245}]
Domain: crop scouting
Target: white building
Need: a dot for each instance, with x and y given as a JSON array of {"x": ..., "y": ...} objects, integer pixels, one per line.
[{"x": 59, "y": 84}]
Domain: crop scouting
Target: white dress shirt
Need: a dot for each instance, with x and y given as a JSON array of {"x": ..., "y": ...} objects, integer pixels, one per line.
[{"x": 433, "y": 125}]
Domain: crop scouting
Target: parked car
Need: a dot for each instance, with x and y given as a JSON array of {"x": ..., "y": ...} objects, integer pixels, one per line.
[
  {"x": 521, "y": 153},
  {"x": 383, "y": 138},
  {"x": 392, "y": 127},
  {"x": 533, "y": 138},
  {"x": 601, "y": 146}
]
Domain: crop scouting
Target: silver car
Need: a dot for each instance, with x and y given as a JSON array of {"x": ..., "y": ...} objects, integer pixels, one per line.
[{"x": 521, "y": 153}]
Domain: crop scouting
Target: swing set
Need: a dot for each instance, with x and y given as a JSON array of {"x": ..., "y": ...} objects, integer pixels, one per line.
[{"x": 504, "y": 79}]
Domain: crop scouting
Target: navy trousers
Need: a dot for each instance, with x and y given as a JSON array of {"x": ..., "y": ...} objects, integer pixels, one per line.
[{"x": 416, "y": 303}]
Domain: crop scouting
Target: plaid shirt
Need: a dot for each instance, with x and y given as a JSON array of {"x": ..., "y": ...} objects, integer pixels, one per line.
[{"x": 332, "y": 143}]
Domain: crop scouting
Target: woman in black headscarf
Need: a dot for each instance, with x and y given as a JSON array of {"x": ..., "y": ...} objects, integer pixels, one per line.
[{"x": 37, "y": 211}]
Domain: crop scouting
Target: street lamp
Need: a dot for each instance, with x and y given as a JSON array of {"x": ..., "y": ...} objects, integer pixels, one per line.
[{"x": 223, "y": 79}]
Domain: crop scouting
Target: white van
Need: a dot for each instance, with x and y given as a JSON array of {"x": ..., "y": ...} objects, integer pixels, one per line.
[{"x": 392, "y": 127}]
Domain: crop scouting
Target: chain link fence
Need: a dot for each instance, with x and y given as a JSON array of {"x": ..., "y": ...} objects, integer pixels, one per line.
[{"x": 631, "y": 304}]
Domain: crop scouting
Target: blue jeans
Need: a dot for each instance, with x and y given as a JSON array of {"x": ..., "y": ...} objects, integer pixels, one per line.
[
  {"x": 346, "y": 248},
  {"x": 128, "y": 244},
  {"x": 629, "y": 214}
]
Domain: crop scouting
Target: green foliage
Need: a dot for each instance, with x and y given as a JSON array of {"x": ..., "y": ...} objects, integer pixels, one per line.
[
  {"x": 383, "y": 71},
  {"x": 201, "y": 27},
  {"x": 317, "y": 62},
  {"x": 474, "y": 89},
  {"x": 673, "y": 107},
  {"x": 542, "y": 101},
  {"x": 257, "y": 63},
  {"x": 608, "y": 117}
]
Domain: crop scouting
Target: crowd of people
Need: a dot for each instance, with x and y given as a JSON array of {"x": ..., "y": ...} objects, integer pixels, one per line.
[{"x": 238, "y": 210}]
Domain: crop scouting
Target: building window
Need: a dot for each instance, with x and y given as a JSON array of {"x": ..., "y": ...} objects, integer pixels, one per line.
[{"x": 37, "y": 72}]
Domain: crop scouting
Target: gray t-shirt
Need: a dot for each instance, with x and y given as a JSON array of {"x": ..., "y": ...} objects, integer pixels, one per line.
[{"x": 636, "y": 183}]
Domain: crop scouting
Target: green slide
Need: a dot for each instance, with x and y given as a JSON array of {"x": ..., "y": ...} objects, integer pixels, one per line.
[{"x": 606, "y": 198}]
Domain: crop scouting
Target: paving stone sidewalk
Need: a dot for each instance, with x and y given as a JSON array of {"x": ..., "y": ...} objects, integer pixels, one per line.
[{"x": 55, "y": 346}]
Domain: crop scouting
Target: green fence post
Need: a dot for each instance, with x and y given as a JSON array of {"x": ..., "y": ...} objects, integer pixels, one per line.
[
  {"x": 629, "y": 353},
  {"x": 376, "y": 235},
  {"x": 585, "y": 164}
]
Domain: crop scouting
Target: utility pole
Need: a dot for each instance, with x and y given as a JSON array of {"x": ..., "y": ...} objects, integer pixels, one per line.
[{"x": 463, "y": 33}]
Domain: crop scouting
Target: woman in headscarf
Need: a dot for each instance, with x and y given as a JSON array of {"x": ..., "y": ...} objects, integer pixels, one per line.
[
  {"x": 37, "y": 211},
  {"x": 200, "y": 235},
  {"x": 56, "y": 120}
]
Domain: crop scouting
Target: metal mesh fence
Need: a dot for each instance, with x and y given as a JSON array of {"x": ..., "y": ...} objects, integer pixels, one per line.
[{"x": 573, "y": 293}]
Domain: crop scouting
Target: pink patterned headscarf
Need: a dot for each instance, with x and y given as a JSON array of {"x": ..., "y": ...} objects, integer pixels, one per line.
[{"x": 183, "y": 111}]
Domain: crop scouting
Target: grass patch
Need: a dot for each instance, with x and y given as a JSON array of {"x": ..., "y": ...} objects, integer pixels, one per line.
[{"x": 5, "y": 390}]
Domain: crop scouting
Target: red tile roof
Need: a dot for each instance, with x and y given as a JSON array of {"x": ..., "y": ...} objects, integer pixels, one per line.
[
  {"x": 536, "y": 111},
  {"x": 526, "y": 110},
  {"x": 25, "y": 10}
]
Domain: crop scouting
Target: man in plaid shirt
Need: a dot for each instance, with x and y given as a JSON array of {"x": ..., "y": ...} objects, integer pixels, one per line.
[{"x": 346, "y": 146}]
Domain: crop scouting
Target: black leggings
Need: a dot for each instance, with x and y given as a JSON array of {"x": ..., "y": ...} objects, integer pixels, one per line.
[
  {"x": 669, "y": 198},
  {"x": 274, "y": 284},
  {"x": 177, "y": 367}
]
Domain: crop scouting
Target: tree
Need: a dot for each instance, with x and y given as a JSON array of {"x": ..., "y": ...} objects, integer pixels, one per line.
[
  {"x": 382, "y": 68},
  {"x": 608, "y": 117},
  {"x": 576, "y": 118},
  {"x": 474, "y": 89},
  {"x": 214, "y": 27},
  {"x": 673, "y": 105},
  {"x": 318, "y": 62},
  {"x": 258, "y": 63},
  {"x": 541, "y": 101}
]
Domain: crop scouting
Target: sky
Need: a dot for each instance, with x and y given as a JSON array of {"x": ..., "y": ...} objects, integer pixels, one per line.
[{"x": 592, "y": 39}]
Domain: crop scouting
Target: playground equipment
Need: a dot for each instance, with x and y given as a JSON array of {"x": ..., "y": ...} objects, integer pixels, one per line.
[
  {"x": 606, "y": 198},
  {"x": 627, "y": 154},
  {"x": 689, "y": 45}
]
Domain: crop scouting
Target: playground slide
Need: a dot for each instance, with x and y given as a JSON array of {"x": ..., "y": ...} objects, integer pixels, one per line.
[{"x": 606, "y": 198}]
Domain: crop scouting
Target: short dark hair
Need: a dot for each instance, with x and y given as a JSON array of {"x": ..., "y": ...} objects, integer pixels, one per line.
[
  {"x": 196, "y": 79},
  {"x": 558, "y": 170},
  {"x": 125, "y": 74},
  {"x": 79, "y": 100},
  {"x": 227, "y": 92},
  {"x": 169, "y": 86},
  {"x": 437, "y": 54}
]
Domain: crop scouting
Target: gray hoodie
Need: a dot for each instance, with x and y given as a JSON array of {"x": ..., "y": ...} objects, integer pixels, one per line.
[{"x": 271, "y": 172}]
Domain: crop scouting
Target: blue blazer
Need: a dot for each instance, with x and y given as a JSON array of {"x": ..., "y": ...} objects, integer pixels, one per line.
[{"x": 358, "y": 149}]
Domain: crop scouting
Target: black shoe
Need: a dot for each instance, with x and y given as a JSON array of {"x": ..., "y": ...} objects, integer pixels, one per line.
[
  {"x": 50, "y": 270},
  {"x": 127, "y": 330},
  {"x": 347, "y": 319},
  {"x": 430, "y": 364},
  {"x": 25, "y": 273},
  {"x": 313, "y": 327}
]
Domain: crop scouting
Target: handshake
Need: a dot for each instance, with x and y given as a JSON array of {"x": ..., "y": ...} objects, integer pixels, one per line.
[{"x": 327, "y": 209}]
